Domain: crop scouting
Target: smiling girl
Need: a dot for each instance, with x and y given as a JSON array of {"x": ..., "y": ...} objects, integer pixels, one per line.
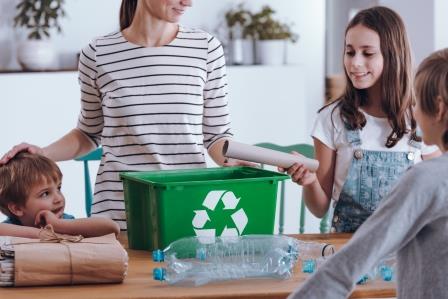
[
  {"x": 412, "y": 221},
  {"x": 367, "y": 138}
]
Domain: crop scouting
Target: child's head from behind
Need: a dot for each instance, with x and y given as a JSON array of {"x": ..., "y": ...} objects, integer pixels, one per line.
[
  {"x": 431, "y": 109},
  {"x": 30, "y": 183},
  {"x": 377, "y": 58}
]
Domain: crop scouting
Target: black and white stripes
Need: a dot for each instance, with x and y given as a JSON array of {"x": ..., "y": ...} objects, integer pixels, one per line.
[{"x": 150, "y": 108}]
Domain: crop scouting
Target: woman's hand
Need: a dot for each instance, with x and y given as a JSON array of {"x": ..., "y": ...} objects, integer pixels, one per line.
[
  {"x": 299, "y": 173},
  {"x": 33, "y": 149}
]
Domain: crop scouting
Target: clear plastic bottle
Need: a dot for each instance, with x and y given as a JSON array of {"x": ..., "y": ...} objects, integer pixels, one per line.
[{"x": 199, "y": 260}]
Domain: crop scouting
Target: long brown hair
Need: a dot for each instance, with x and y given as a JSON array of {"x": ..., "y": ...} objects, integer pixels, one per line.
[
  {"x": 431, "y": 83},
  {"x": 396, "y": 79},
  {"x": 127, "y": 12}
]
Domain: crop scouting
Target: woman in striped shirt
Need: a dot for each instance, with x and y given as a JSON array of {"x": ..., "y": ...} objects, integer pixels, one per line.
[{"x": 153, "y": 95}]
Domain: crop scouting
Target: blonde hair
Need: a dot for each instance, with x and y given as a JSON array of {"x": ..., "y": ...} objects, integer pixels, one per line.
[
  {"x": 431, "y": 83},
  {"x": 21, "y": 174}
]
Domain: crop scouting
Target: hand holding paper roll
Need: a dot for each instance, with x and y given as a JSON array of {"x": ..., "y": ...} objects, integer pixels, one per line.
[{"x": 252, "y": 153}]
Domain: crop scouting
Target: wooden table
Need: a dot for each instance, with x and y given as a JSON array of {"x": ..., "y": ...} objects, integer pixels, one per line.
[{"x": 139, "y": 283}]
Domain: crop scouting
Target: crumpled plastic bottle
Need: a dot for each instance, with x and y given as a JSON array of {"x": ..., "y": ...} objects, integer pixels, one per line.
[{"x": 200, "y": 260}]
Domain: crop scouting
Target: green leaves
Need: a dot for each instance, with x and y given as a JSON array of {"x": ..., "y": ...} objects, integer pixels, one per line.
[
  {"x": 39, "y": 16},
  {"x": 260, "y": 25},
  {"x": 266, "y": 28}
]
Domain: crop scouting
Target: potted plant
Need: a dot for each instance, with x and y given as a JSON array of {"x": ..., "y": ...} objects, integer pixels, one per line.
[
  {"x": 241, "y": 42},
  {"x": 38, "y": 17},
  {"x": 271, "y": 37}
]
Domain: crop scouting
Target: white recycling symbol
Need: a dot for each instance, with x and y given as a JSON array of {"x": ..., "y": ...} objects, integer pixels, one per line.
[{"x": 230, "y": 202}]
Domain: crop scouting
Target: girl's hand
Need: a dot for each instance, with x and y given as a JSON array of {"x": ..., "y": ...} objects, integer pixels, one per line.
[
  {"x": 299, "y": 173},
  {"x": 233, "y": 162},
  {"x": 33, "y": 149},
  {"x": 45, "y": 217}
]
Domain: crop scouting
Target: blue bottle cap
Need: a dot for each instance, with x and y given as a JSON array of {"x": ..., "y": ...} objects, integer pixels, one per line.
[
  {"x": 201, "y": 253},
  {"x": 308, "y": 266},
  {"x": 386, "y": 273},
  {"x": 159, "y": 274},
  {"x": 158, "y": 255}
]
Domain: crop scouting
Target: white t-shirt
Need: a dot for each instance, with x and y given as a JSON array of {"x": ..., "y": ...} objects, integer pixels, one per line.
[{"x": 330, "y": 130}]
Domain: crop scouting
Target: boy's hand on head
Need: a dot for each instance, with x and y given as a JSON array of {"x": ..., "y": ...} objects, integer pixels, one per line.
[
  {"x": 32, "y": 149},
  {"x": 45, "y": 217}
]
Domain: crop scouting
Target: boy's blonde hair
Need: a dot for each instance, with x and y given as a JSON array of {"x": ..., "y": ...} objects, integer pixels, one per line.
[
  {"x": 431, "y": 83},
  {"x": 21, "y": 174}
]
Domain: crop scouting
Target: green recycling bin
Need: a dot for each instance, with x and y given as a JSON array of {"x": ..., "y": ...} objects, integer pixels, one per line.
[{"x": 163, "y": 206}]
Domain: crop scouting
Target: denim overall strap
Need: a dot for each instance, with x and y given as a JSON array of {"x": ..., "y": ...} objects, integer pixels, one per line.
[{"x": 369, "y": 179}]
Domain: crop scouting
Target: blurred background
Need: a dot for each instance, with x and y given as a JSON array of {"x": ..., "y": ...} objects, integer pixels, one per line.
[{"x": 279, "y": 73}]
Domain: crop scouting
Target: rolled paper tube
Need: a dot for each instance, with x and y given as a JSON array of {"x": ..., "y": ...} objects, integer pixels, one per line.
[{"x": 252, "y": 153}]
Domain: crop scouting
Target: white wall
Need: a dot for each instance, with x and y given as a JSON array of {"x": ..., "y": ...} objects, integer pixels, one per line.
[
  {"x": 38, "y": 108},
  {"x": 441, "y": 24},
  {"x": 418, "y": 17}
]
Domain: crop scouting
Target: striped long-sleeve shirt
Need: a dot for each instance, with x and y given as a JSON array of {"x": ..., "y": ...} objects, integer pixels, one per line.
[{"x": 150, "y": 107}]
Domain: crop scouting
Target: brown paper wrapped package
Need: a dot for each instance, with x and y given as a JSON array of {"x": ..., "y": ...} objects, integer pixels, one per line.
[{"x": 89, "y": 261}]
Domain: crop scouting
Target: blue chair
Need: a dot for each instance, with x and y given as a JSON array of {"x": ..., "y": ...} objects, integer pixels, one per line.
[
  {"x": 94, "y": 155},
  {"x": 308, "y": 151}
]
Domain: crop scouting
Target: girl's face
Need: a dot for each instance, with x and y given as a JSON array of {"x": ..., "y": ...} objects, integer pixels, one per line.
[
  {"x": 363, "y": 60},
  {"x": 167, "y": 10}
]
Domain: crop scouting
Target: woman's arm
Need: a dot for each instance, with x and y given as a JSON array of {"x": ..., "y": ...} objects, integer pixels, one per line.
[
  {"x": 215, "y": 152},
  {"x": 72, "y": 145}
]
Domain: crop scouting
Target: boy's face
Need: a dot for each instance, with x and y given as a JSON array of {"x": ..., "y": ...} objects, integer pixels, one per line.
[{"x": 44, "y": 196}]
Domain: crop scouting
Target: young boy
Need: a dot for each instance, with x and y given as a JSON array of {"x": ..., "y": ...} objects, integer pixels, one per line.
[{"x": 30, "y": 195}]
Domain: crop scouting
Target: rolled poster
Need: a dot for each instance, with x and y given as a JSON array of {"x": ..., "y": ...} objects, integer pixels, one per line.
[{"x": 252, "y": 153}]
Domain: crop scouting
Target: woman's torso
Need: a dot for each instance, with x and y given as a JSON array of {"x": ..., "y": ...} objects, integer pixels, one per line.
[{"x": 152, "y": 105}]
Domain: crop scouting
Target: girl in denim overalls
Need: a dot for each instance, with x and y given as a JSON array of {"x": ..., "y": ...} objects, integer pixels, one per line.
[{"x": 367, "y": 138}]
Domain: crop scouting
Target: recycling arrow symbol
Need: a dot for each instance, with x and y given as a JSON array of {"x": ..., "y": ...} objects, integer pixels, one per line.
[{"x": 230, "y": 202}]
